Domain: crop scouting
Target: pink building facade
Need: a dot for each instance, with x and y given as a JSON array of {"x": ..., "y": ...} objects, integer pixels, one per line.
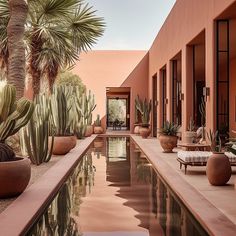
[{"x": 192, "y": 59}]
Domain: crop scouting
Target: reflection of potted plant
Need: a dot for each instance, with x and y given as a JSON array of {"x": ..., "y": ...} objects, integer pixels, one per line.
[
  {"x": 190, "y": 134},
  {"x": 218, "y": 168},
  {"x": 144, "y": 107},
  {"x": 15, "y": 171},
  {"x": 168, "y": 136},
  {"x": 97, "y": 126}
]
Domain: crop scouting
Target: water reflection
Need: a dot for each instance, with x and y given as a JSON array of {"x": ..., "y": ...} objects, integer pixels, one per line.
[{"x": 114, "y": 183}]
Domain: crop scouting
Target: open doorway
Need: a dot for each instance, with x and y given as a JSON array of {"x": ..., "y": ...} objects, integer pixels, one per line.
[{"x": 118, "y": 100}]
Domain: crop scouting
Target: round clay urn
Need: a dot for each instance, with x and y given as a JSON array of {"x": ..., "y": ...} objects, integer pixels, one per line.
[
  {"x": 168, "y": 142},
  {"x": 218, "y": 169},
  {"x": 89, "y": 131},
  {"x": 98, "y": 130},
  {"x": 136, "y": 129},
  {"x": 14, "y": 177},
  {"x": 144, "y": 132},
  {"x": 62, "y": 144}
]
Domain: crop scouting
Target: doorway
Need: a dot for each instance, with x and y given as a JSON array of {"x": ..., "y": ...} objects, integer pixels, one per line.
[
  {"x": 118, "y": 108},
  {"x": 154, "y": 105}
]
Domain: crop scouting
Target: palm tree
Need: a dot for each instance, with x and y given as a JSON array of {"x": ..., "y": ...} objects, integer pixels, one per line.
[
  {"x": 56, "y": 32},
  {"x": 18, "y": 10}
]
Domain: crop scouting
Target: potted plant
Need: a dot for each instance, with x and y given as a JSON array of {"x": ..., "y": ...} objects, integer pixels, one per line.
[
  {"x": 137, "y": 116},
  {"x": 168, "y": 136},
  {"x": 97, "y": 126},
  {"x": 144, "y": 107},
  {"x": 61, "y": 104},
  {"x": 36, "y": 132},
  {"x": 190, "y": 134},
  {"x": 14, "y": 171},
  {"x": 218, "y": 168}
]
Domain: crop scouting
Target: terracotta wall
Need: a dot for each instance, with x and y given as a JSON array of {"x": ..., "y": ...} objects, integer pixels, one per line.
[
  {"x": 101, "y": 69},
  {"x": 186, "y": 20}
]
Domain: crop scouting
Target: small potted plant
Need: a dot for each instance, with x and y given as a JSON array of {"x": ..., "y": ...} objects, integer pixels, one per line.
[
  {"x": 15, "y": 171},
  {"x": 190, "y": 134},
  {"x": 168, "y": 136},
  {"x": 218, "y": 167},
  {"x": 144, "y": 107},
  {"x": 97, "y": 126}
]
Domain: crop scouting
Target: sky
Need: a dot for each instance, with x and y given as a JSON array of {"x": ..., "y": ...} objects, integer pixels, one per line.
[{"x": 130, "y": 24}]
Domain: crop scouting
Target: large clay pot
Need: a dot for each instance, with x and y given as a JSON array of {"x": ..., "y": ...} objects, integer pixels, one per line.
[
  {"x": 14, "y": 177},
  {"x": 98, "y": 130},
  {"x": 89, "y": 131},
  {"x": 168, "y": 142},
  {"x": 218, "y": 169},
  {"x": 63, "y": 144},
  {"x": 144, "y": 132}
]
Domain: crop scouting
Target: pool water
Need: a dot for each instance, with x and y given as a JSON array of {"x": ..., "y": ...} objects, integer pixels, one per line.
[{"x": 114, "y": 190}]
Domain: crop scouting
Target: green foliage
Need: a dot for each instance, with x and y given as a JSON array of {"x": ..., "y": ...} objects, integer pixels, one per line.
[
  {"x": 169, "y": 128},
  {"x": 97, "y": 122},
  {"x": 115, "y": 110},
  {"x": 144, "y": 107},
  {"x": 13, "y": 114},
  {"x": 36, "y": 133},
  {"x": 68, "y": 78},
  {"x": 215, "y": 141}
]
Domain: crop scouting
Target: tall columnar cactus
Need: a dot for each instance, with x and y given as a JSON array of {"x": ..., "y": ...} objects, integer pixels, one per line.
[
  {"x": 13, "y": 116},
  {"x": 61, "y": 104},
  {"x": 97, "y": 122},
  {"x": 36, "y": 133},
  {"x": 144, "y": 107},
  {"x": 90, "y": 104}
]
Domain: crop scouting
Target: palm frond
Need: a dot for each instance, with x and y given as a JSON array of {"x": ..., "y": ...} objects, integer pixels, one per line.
[
  {"x": 85, "y": 27},
  {"x": 4, "y": 9}
]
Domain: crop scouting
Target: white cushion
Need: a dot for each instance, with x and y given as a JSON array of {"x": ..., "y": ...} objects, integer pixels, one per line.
[{"x": 201, "y": 156}]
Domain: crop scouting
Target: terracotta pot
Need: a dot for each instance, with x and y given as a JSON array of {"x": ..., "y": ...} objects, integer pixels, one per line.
[
  {"x": 136, "y": 129},
  {"x": 168, "y": 142},
  {"x": 62, "y": 144},
  {"x": 144, "y": 132},
  {"x": 98, "y": 130},
  {"x": 218, "y": 169},
  {"x": 189, "y": 136},
  {"x": 14, "y": 177},
  {"x": 89, "y": 131}
]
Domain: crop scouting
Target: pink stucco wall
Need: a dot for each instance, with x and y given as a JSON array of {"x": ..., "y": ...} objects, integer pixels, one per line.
[
  {"x": 101, "y": 69},
  {"x": 186, "y": 20}
]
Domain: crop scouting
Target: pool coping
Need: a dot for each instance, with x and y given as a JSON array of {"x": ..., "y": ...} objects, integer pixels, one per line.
[
  {"x": 211, "y": 218},
  {"x": 17, "y": 218}
]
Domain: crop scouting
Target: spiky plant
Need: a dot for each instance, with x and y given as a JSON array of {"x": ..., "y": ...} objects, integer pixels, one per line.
[
  {"x": 169, "y": 128},
  {"x": 13, "y": 115},
  {"x": 144, "y": 107}
]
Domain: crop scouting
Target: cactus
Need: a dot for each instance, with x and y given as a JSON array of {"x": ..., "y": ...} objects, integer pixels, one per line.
[
  {"x": 97, "y": 122},
  {"x": 36, "y": 133},
  {"x": 191, "y": 125},
  {"x": 61, "y": 104},
  {"x": 144, "y": 107},
  {"x": 13, "y": 115}
]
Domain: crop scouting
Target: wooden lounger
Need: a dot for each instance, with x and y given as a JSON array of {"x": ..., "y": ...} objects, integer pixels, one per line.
[{"x": 200, "y": 161}]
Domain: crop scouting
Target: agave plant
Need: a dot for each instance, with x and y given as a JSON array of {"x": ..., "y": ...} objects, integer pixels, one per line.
[{"x": 169, "y": 128}]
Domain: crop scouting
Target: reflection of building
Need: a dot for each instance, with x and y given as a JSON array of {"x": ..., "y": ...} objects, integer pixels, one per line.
[{"x": 192, "y": 57}]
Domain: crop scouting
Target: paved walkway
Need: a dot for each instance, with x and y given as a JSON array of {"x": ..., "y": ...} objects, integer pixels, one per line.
[{"x": 213, "y": 206}]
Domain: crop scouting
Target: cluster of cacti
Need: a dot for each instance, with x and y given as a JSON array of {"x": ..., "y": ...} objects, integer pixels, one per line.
[
  {"x": 13, "y": 114},
  {"x": 97, "y": 122},
  {"x": 144, "y": 107},
  {"x": 61, "y": 104},
  {"x": 36, "y": 133}
]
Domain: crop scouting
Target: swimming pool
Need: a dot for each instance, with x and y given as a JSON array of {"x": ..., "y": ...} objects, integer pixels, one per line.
[{"x": 114, "y": 189}]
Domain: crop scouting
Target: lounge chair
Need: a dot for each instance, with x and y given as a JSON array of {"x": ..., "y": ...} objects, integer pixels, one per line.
[{"x": 199, "y": 158}]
